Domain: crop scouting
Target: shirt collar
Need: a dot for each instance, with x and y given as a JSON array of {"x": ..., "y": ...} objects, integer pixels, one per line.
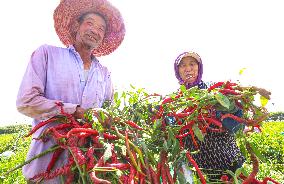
[{"x": 73, "y": 50}]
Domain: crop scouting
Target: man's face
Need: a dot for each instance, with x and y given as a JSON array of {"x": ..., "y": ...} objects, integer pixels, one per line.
[
  {"x": 91, "y": 31},
  {"x": 188, "y": 69}
]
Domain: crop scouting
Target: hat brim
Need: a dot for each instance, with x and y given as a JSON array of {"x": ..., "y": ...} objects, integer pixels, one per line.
[{"x": 68, "y": 11}]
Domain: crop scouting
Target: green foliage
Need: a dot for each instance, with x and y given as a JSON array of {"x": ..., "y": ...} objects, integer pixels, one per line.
[
  {"x": 276, "y": 116},
  {"x": 14, "y": 128},
  {"x": 270, "y": 143},
  {"x": 16, "y": 144}
]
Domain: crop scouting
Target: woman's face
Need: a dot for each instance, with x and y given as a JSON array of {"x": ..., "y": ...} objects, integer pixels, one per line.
[{"x": 188, "y": 69}]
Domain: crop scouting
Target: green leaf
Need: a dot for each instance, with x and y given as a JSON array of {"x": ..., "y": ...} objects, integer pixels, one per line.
[
  {"x": 183, "y": 88},
  {"x": 197, "y": 132},
  {"x": 165, "y": 145},
  {"x": 233, "y": 175},
  {"x": 257, "y": 152},
  {"x": 239, "y": 171},
  {"x": 157, "y": 124},
  {"x": 133, "y": 87},
  {"x": 180, "y": 177},
  {"x": 223, "y": 100},
  {"x": 107, "y": 153},
  {"x": 115, "y": 96},
  {"x": 176, "y": 147}
]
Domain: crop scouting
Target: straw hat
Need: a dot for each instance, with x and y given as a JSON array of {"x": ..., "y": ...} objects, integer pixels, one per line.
[{"x": 66, "y": 22}]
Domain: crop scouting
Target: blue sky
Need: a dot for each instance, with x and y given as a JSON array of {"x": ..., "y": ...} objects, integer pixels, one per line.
[{"x": 228, "y": 35}]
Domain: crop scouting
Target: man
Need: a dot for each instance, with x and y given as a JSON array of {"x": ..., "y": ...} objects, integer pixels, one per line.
[{"x": 72, "y": 75}]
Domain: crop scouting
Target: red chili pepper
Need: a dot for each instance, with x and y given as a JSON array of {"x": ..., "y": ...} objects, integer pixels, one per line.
[
  {"x": 238, "y": 119},
  {"x": 91, "y": 160},
  {"x": 164, "y": 175},
  {"x": 41, "y": 124},
  {"x": 62, "y": 126},
  {"x": 113, "y": 155},
  {"x": 169, "y": 176},
  {"x": 181, "y": 115},
  {"x": 159, "y": 168},
  {"x": 192, "y": 161},
  {"x": 54, "y": 158},
  {"x": 131, "y": 174},
  {"x": 70, "y": 177},
  {"x": 265, "y": 180},
  {"x": 167, "y": 100},
  {"x": 193, "y": 139},
  {"x": 110, "y": 136},
  {"x": 55, "y": 133},
  {"x": 211, "y": 121},
  {"x": 238, "y": 104},
  {"x": 131, "y": 156},
  {"x": 154, "y": 175},
  {"x": 57, "y": 172},
  {"x": 78, "y": 155},
  {"x": 224, "y": 178},
  {"x": 182, "y": 135},
  {"x": 255, "y": 165},
  {"x": 187, "y": 126},
  {"x": 80, "y": 130},
  {"x": 120, "y": 166},
  {"x": 133, "y": 125},
  {"x": 190, "y": 109},
  {"x": 215, "y": 129},
  {"x": 95, "y": 179},
  {"x": 218, "y": 84},
  {"x": 123, "y": 179},
  {"x": 228, "y": 91}
]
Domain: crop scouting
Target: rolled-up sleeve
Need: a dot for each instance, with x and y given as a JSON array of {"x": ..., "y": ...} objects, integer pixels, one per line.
[{"x": 31, "y": 100}]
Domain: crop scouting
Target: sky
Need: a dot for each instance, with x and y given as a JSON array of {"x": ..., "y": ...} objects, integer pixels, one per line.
[{"x": 229, "y": 35}]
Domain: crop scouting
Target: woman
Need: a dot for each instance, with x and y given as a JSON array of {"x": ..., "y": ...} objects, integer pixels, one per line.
[{"x": 219, "y": 151}]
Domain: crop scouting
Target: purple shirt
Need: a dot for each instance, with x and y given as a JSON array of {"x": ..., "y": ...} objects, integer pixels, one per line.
[{"x": 57, "y": 74}]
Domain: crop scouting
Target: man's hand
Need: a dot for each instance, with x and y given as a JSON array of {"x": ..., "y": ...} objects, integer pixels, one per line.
[{"x": 79, "y": 113}]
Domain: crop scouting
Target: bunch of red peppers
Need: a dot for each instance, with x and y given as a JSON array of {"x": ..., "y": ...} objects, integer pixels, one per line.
[{"x": 142, "y": 142}]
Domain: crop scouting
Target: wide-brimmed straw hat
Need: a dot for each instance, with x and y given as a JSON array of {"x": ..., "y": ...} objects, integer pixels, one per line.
[{"x": 66, "y": 22}]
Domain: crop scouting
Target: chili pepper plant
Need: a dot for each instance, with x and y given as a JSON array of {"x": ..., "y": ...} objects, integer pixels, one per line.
[{"x": 139, "y": 137}]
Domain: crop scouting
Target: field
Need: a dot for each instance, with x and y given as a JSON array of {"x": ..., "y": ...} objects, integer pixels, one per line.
[{"x": 270, "y": 143}]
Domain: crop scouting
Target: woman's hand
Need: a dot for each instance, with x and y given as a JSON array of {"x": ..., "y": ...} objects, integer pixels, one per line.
[{"x": 263, "y": 92}]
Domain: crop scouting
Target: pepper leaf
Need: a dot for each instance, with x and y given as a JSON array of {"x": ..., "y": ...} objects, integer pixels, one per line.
[
  {"x": 223, "y": 100},
  {"x": 197, "y": 132},
  {"x": 107, "y": 153},
  {"x": 257, "y": 152},
  {"x": 183, "y": 88}
]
